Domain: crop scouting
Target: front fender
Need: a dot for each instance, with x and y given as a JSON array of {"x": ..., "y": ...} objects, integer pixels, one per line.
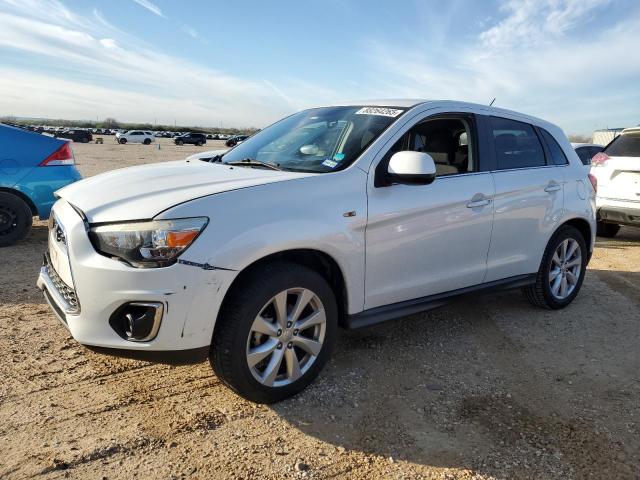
[{"x": 306, "y": 213}]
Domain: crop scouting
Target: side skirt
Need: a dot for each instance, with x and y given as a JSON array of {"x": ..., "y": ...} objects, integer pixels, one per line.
[{"x": 384, "y": 313}]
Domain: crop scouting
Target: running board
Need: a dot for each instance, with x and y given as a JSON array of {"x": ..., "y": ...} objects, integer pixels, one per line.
[{"x": 385, "y": 313}]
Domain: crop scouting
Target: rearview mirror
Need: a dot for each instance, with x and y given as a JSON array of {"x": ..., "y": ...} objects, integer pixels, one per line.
[
  {"x": 309, "y": 149},
  {"x": 412, "y": 167}
]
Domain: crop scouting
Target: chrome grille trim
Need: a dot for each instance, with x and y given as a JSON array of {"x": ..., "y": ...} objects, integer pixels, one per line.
[{"x": 64, "y": 291}]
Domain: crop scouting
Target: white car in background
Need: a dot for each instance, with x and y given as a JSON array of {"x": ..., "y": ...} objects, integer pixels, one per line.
[
  {"x": 617, "y": 170},
  {"x": 135, "y": 136},
  {"x": 254, "y": 261}
]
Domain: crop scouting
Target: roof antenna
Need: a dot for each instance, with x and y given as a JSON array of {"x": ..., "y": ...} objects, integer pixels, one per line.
[{"x": 491, "y": 104}]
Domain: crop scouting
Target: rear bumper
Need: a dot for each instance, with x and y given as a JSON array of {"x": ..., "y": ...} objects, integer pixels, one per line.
[{"x": 619, "y": 211}]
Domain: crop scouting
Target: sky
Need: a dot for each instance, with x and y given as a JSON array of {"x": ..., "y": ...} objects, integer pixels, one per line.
[{"x": 249, "y": 63}]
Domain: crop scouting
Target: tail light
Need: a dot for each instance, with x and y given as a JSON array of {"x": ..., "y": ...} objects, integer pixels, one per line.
[
  {"x": 594, "y": 182},
  {"x": 599, "y": 159},
  {"x": 62, "y": 156}
]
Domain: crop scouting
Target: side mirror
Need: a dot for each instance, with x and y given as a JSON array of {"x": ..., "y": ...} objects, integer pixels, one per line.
[
  {"x": 412, "y": 167},
  {"x": 309, "y": 149}
]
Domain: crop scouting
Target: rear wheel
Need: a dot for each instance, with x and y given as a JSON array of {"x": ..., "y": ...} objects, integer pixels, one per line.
[
  {"x": 608, "y": 230},
  {"x": 84, "y": 140},
  {"x": 147, "y": 141},
  {"x": 561, "y": 271},
  {"x": 123, "y": 141},
  {"x": 15, "y": 219},
  {"x": 275, "y": 332}
]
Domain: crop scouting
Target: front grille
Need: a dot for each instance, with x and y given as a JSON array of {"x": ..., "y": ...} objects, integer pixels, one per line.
[{"x": 65, "y": 291}]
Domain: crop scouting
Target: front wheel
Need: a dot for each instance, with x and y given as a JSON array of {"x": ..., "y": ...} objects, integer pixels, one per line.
[
  {"x": 123, "y": 141},
  {"x": 607, "y": 230},
  {"x": 275, "y": 332},
  {"x": 561, "y": 271},
  {"x": 179, "y": 142}
]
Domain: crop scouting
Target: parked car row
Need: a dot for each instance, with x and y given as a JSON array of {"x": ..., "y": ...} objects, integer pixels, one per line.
[{"x": 84, "y": 135}]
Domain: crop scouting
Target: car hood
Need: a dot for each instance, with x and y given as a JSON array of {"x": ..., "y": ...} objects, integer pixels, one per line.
[{"x": 137, "y": 193}]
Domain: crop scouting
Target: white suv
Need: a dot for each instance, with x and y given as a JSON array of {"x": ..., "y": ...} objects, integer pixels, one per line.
[
  {"x": 135, "y": 136},
  {"x": 617, "y": 170},
  {"x": 346, "y": 216}
]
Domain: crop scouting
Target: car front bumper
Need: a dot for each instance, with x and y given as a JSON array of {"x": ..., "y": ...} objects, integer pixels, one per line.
[{"x": 84, "y": 289}]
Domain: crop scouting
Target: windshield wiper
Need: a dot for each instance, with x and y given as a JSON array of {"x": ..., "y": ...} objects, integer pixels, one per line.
[{"x": 250, "y": 162}]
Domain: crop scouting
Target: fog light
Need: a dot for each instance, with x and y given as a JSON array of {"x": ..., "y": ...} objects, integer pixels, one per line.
[{"x": 137, "y": 321}]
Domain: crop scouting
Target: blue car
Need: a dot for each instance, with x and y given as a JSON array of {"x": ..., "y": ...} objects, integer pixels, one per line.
[{"x": 32, "y": 167}]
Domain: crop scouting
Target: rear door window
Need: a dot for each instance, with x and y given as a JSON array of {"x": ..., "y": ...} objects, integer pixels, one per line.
[{"x": 516, "y": 144}]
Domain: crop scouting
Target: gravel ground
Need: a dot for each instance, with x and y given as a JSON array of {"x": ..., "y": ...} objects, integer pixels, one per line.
[{"x": 485, "y": 387}]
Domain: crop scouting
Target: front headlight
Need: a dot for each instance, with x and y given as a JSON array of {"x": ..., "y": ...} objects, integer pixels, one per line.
[{"x": 155, "y": 243}]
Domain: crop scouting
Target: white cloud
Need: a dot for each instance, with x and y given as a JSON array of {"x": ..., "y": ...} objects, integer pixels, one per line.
[
  {"x": 153, "y": 8},
  {"x": 532, "y": 60},
  {"x": 190, "y": 31},
  {"x": 98, "y": 70},
  {"x": 109, "y": 43}
]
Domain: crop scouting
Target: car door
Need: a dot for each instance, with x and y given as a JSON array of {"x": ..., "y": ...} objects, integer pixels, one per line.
[
  {"x": 135, "y": 137},
  {"x": 528, "y": 199},
  {"x": 427, "y": 239}
]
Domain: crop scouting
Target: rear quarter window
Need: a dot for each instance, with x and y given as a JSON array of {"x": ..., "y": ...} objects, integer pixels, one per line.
[
  {"x": 557, "y": 154},
  {"x": 626, "y": 145}
]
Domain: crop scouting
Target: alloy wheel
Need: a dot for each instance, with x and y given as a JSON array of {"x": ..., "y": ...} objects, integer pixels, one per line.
[
  {"x": 286, "y": 337},
  {"x": 566, "y": 266}
]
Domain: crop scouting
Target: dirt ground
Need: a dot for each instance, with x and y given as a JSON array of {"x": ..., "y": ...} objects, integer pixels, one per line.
[{"x": 485, "y": 387}]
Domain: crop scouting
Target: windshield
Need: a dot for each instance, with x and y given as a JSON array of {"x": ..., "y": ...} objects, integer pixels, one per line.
[
  {"x": 626, "y": 145},
  {"x": 318, "y": 140}
]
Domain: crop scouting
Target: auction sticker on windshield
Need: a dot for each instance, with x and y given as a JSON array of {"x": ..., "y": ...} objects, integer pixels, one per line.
[{"x": 385, "y": 112}]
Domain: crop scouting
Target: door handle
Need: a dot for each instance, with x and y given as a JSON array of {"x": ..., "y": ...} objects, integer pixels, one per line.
[
  {"x": 479, "y": 201},
  {"x": 552, "y": 187}
]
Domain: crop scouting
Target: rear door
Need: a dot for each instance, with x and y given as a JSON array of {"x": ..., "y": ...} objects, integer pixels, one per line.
[
  {"x": 618, "y": 172},
  {"x": 528, "y": 197}
]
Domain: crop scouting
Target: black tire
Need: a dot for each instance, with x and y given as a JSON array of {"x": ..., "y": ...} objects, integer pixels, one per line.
[
  {"x": 147, "y": 141},
  {"x": 84, "y": 140},
  {"x": 242, "y": 305},
  {"x": 179, "y": 142},
  {"x": 122, "y": 141},
  {"x": 15, "y": 219},
  {"x": 539, "y": 294},
  {"x": 198, "y": 144},
  {"x": 607, "y": 230}
]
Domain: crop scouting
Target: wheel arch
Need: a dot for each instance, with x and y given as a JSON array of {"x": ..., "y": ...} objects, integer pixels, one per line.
[
  {"x": 583, "y": 227},
  {"x": 316, "y": 260},
  {"x": 22, "y": 196}
]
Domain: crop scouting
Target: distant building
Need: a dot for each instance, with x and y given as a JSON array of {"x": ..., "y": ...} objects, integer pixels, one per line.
[{"x": 604, "y": 136}]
